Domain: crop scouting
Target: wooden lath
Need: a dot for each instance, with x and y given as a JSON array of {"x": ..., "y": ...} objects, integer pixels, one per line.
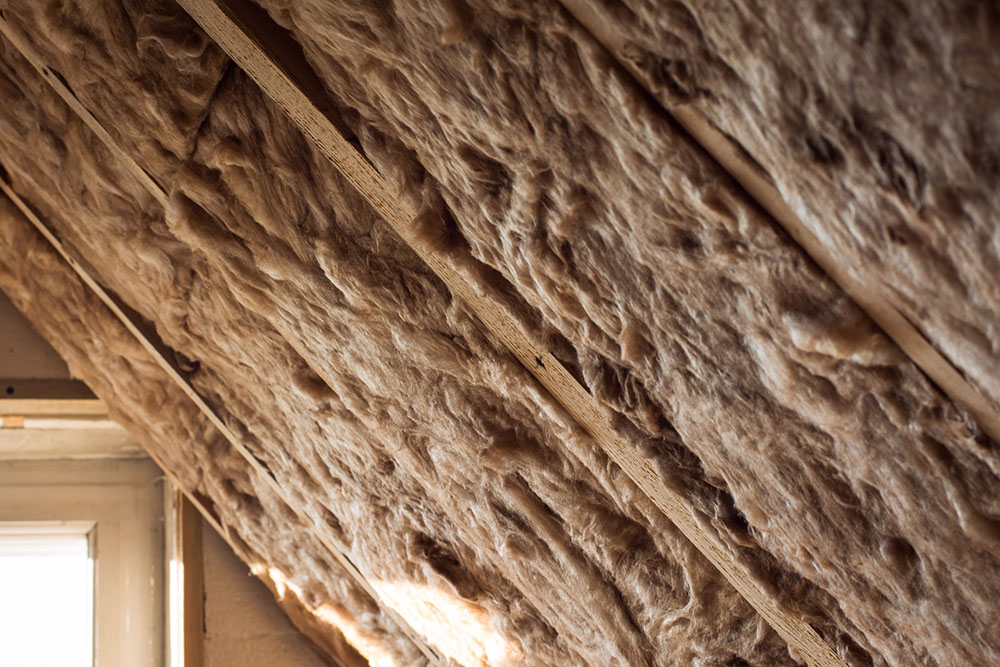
[
  {"x": 53, "y": 407},
  {"x": 272, "y": 59},
  {"x": 764, "y": 192},
  {"x": 59, "y": 86}
]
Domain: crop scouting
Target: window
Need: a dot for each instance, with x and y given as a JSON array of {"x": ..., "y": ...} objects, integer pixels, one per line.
[
  {"x": 47, "y": 579},
  {"x": 81, "y": 546}
]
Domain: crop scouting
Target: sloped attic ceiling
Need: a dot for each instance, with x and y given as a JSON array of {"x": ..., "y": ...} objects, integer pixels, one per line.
[{"x": 454, "y": 320}]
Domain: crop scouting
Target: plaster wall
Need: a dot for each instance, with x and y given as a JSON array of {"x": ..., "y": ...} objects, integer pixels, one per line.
[
  {"x": 23, "y": 353},
  {"x": 243, "y": 625}
]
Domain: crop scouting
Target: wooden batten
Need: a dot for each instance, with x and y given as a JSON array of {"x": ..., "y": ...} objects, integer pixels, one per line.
[{"x": 192, "y": 557}]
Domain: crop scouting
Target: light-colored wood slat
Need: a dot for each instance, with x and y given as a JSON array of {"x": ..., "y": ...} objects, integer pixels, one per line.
[
  {"x": 12, "y": 421},
  {"x": 53, "y": 407},
  {"x": 895, "y": 325},
  {"x": 62, "y": 423},
  {"x": 260, "y": 50},
  {"x": 154, "y": 348},
  {"x": 67, "y": 439}
]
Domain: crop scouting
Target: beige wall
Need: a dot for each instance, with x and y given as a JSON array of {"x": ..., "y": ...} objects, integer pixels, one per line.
[
  {"x": 243, "y": 625},
  {"x": 23, "y": 353}
]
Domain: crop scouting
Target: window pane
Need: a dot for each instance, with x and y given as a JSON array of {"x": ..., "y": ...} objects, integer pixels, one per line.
[{"x": 46, "y": 598}]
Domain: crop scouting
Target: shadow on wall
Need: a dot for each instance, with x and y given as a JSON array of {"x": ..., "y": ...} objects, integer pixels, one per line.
[{"x": 461, "y": 631}]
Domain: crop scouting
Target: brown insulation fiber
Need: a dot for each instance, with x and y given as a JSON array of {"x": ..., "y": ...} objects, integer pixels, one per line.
[
  {"x": 149, "y": 70},
  {"x": 887, "y": 145},
  {"x": 425, "y": 450},
  {"x": 685, "y": 306},
  {"x": 811, "y": 449}
]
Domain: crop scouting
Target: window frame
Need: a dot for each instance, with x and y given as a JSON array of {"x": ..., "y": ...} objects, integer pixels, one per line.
[{"x": 124, "y": 500}]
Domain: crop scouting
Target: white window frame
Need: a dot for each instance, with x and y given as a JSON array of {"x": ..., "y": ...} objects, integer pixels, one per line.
[{"x": 123, "y": 498}]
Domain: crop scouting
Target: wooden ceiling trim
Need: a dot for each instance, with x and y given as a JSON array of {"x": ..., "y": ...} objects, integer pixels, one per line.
[
  {"x": 163, "y": 358},
  {"x": 923, "y": 353},
  {"x": 54, "y": 407},
  {"x": 261, "y": 49}
]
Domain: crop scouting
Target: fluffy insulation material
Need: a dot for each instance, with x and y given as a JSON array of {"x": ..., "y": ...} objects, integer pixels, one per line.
[
  {"x": 685, "y": 306},
  {"x": 142, "y": 67},
  {"x": 477, "y": 509},
  {"x": 876, "y": 121},
  {"x": 810, "y": 449}
]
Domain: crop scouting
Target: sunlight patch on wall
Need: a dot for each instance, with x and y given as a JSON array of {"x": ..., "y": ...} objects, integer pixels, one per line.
[
  {"x": 459, "y": 629},
  {"x": 363, "y": 642}
]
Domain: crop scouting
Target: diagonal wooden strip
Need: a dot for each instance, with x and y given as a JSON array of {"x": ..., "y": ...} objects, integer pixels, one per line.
[
  {"x": 59, "y": 85},
  {"x": 163, "y": 359},
  {"x": 896, "y": 326},
  {"x": 270, "y": 57}
]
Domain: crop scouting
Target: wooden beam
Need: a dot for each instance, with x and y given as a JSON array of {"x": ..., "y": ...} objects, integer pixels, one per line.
[
  {"x": 763, "y": 191},
  {"x": 66, "y": 439},
  {"x": 50, "y": 404},
  {"x": 164, "y": 359},
  {"x": 193, "y": 565},
  {"x": 58, "y": 423},
  {"x": 43, "y": 388},
  {"x": 58, "y": 399},
  {"x": 273, "y": 60}
]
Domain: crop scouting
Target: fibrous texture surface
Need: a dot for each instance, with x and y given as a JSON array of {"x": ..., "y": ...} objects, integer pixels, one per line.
[
  {"x": 424, "y": 449},
  {"x": 876, "y": 123},
  {"x": 683, "y": 302},
  {"x": 810, "y": 449}
]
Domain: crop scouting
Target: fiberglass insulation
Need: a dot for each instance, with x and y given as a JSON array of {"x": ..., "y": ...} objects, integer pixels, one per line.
[
  {"x": 684, "y": 302},
  {"x": 808, "y": 445},
  {"x": 418, "y": 443},
  {"x": 876, "y": 121}
]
